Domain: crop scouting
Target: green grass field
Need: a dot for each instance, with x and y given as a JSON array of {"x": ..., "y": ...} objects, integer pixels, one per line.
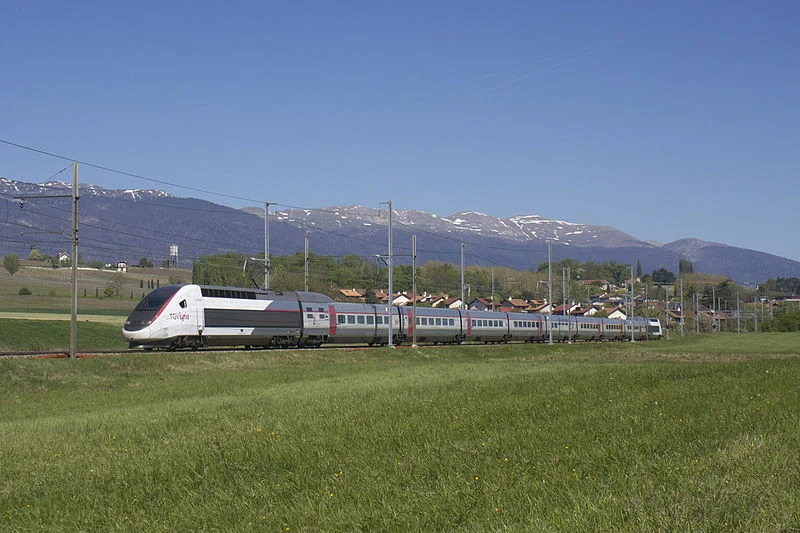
[{"x": 697, "y": 434}]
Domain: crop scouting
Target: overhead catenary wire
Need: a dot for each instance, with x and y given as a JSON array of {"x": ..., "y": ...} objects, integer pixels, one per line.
[
  {"x": 172, "y": 237},
  {"x": 124, "y": 173}
]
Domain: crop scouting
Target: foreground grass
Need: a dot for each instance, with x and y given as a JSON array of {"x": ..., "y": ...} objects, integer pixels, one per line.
[{"x": 565, "y": 438}]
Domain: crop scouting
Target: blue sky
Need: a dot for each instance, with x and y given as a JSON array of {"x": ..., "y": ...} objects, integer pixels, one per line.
[{"x": 666, "y": 120}]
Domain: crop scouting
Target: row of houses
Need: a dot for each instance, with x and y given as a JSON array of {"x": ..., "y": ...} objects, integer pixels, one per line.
[{"x": 509, "y": 305}]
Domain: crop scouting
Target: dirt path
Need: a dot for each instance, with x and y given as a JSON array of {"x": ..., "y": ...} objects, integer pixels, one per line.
[{"x": 100, "y": 319}]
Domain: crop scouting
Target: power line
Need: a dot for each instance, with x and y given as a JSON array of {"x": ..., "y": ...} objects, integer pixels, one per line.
[{"x": 124, "y": 173}]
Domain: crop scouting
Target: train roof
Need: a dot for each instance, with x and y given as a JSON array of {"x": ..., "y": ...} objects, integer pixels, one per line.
[{"x": 222, "y": 291}]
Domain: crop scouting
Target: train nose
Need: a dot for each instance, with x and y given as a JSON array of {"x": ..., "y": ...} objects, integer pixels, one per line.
[{"x": 138, "y": 335}]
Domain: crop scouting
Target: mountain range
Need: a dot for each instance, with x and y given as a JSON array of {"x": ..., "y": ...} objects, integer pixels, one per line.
[{"x": 129, "y": 224}]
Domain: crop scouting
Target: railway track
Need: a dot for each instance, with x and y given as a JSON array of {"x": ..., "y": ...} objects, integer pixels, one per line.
[{"x": 56, "y": 354}]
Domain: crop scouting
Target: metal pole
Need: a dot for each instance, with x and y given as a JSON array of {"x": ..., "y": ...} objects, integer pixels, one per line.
[
  {"x": 564, "y": 296},
  {"x": 266, "y": 245},
  {"x": 755, "y": 313},
  {"x": 738, "y": 315},
  {"x": 681, "y": 307},
  {"x": 666, "y": 299},
  {"x": 492, "y": 289},
  {"x": 713, "y": 309},
  {"x": 414, "y": 290},
  {"x": 569, "y": 316},
  {"x": 463, "y": 304},
  {"x": 73, "y": 328},
  {"x": 306, "y": 262},
  {"x": 697, "y": 312},
  {"x": 389, "y": 308},
  {"x": 632, "y": 311},
  {"x": 550, "y": 292}
]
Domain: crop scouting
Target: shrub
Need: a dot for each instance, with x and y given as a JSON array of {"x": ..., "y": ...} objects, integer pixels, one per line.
[{"x": 25, "y": 291}]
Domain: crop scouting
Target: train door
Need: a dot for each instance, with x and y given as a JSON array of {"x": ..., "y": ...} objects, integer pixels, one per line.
[
  {"x": 198, "y": 309},
  {"x": 316, "y": 321}
]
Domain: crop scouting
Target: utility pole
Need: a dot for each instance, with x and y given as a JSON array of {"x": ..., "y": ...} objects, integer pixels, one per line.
[
  {"x": 697, "y": 312},
  {"x": 306, "y": 262},
  {"x": 73, "y": 327},
  {"x": 389, "y": 308},
  {"x": 666, "y": 299},
  {"x": 266, "y": 245},
  {"x": 755, "y": 313},
  {"x": 550, "y": 292},
  {"x": 632, "y": 312},
  {"x": 713, "y": 309},
  {"x": 564, "y": 297},
  {"x": 414, "y": 290},
  {"x": 463, "y": 303},
  {"x": 738, "y": 314},
  {"x": 681, "y": 307},
  {"x": 492, "y": 289}
]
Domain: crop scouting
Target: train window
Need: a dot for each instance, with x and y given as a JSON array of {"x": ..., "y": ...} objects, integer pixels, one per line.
[
  {"x": 360, "y": 319},
  {"x": 183, "y": 304},
  {"x": 341, "y": 319},
  {"x": 452, "y": 321},
  {"x": 379, "y": 320},
  {"x": 351, "y": 319},
  {"x": 309, "y": 309},
  {"x": 370, "y": 319},
  {"x": 438, "y": 321}
]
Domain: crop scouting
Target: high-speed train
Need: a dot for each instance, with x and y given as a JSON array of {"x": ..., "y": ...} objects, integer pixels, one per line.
[{"x": 193, "y": 316}]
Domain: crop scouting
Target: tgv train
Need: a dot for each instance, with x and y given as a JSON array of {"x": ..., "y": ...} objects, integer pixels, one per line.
[{"x": 193, "y": 316}]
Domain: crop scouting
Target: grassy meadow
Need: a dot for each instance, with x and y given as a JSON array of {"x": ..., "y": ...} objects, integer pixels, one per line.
[{"x": 694, "y": 434}]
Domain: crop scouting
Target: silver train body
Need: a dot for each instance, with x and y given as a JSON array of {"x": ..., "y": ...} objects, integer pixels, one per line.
[{"x": 193, "y": 316}]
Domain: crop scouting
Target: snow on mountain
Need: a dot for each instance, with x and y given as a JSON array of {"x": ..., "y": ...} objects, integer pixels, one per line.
[
  {"x": 521, "y": 228},
  {"x": 20, "y": 188}
]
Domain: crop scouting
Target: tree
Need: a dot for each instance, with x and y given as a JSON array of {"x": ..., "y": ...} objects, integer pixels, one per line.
[
  {"x": 639, "y": 271},
  {"x": 221, "y": 269},
  {"x": 662, "y": 276},
  {"x": 11, "y": 263},
  {"x": 685, "y": 267},
  {"x": 35, "y": 255},
  {"x": 145, "y": 263},
  {"x": 114, "y": 286}
]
